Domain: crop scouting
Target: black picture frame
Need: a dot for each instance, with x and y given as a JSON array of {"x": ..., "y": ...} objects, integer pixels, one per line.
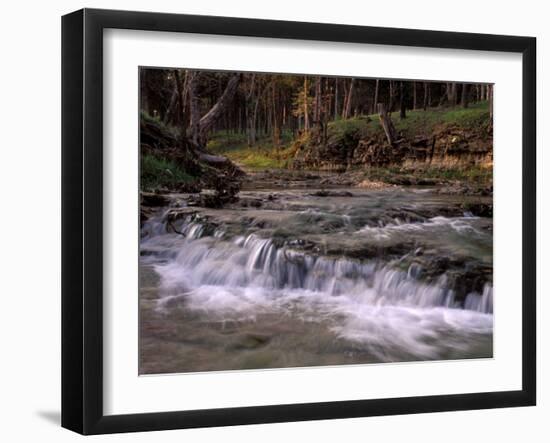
[{"x": 82, "y": 218}]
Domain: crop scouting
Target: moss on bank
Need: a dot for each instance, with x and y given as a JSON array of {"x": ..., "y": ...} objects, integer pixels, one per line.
[{"x": 158, "y": 173}]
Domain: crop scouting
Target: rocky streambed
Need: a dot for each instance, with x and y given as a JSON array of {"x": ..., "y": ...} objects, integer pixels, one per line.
[{"x": 306, "y": 274}]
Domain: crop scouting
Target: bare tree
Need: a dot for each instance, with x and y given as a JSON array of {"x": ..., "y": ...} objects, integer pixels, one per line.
[
  {"x": 490, "y": 99},
  {"x": 465, "y": 95},
  {"x": 276, "y": 115},
  {"x": 376, "y": 88},
  {"x": 251, "y": 109},
  {"x": 425, "y": 105},
  {"x": 349, "y": 98},
  {"x": 317, "y": 109},
  {"x": 144, "y": 95},
  {"x": 194, "y": 108},
  {"x": 184, "y": 91},
  {"x": 306, "y": 110},
  {"x": 402, "y": 112},
  {"x": 451, "y": 93},
  {"x": 335, "y": 98},
  {"x": 199, "y": 127},
  {"x": 169, "y": 115},
  {"x": 387, "y": 124},
  {"x": 391, "y": 97}
]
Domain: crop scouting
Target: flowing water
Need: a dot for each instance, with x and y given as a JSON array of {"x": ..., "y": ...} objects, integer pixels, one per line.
[{"x": 300, "y": 277}]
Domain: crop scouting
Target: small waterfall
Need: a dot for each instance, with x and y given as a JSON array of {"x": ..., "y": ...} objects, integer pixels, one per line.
[
  {"x": 480, "y": 303},
  {"x": 255, "y": 262},
  {"x": 214, "y": 272}
]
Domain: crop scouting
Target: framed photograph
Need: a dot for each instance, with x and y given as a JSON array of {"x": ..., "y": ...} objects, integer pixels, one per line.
[{"x": 269, "y": 221}]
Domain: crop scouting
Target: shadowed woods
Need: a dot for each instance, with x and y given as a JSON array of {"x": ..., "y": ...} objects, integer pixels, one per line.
[{"x": 195, "y": 124}]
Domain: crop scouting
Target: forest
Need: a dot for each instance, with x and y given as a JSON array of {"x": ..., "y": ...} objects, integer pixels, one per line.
[
  {"x": 283, "y": 121},
  {"x": 269, "y": 104}
]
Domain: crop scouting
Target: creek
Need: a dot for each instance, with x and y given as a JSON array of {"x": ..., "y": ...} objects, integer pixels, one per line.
[{"x": 309, "y": 277}]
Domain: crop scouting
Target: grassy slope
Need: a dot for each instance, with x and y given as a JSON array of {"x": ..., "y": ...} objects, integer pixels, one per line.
[
  {"x": 264, "y": 155},
  {"x": 417, "y": 122},
  {"x": 157, "y": 173}
]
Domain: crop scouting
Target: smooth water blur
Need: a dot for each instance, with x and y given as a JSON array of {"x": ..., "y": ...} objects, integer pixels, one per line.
[{"x": 286, "y": 284}]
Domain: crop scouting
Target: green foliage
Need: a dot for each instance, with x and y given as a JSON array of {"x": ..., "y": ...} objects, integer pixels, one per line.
[
  {"x": 222, "y": 141},
  {"x": 424, "y": 122},
  {"x": 148, "y": 118},
  {"x": 259, "y": 157},
  {"x": 159, "y": 173},
  {"x": 352, "y": 127},
  {"x": 417, "y": 122},
  {"x": 472, "y": 174},
  {"x": 263, "y": 155}
]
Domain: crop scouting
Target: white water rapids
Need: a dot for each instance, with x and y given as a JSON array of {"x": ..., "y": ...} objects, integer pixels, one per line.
[{"x": 380, "y": 311}]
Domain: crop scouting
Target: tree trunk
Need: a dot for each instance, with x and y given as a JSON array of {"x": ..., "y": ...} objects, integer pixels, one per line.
[
  {"x": 207, "y": 122},
  {"x": 199, "y": 127},
  {"x": 362, "y": 105},
  {"x": 194, "y": 108},
  {"x": 325, "y": 110},
  {"x": 387, "y": 124},
  {"x": 172, "y": 105},
  {"x": 453, "y": 94},
  {"x": 254, "y": 123},
  {"x": 490, "y": 99},
  {"x": 144, "y": 96},
  {"x": 326, "y": 101},
  {"x": 414, "y": 95},
  {"x": 250, "y": 107},
  {"x": 345, "y": 87},
  {"x": 391, "y": 101},
  {"x": 402, "y": 112},
  {"x": 184, "y": 85},
  {"x": 276, "y": 117},
  {"x": 347, "y": 111},
  {"x": 335, "y": 99},
  {"x": 317, "y": 110},
  {"x": 376, "y": 88},
  {"x": 465, "y": 94},
  {"x": 425, "y": 105},
  {"x": 306, "y": 111}
]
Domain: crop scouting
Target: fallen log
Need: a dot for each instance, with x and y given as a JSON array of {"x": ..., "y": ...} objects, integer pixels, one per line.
[{"x": 215, "y": 160}]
